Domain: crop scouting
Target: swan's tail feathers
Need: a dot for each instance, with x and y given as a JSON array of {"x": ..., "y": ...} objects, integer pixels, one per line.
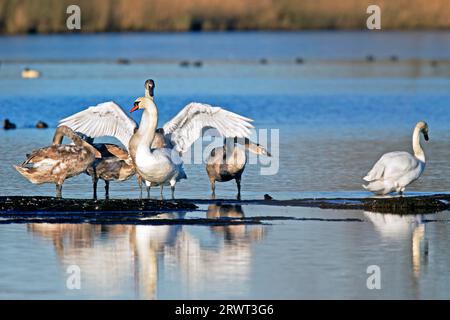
[
  {"x": 181, "y": 175},
  {"x": 378, "y": 187},
  {"x": 26, "y": 172},
  {"x": 376, "y": 172}
]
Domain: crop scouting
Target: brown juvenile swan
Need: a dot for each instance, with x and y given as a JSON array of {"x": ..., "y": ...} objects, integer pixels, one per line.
[
  {"x": 114, "y": 164},
  {"x": 228, "y": 163},
  {"x": 58, "y": 162}
]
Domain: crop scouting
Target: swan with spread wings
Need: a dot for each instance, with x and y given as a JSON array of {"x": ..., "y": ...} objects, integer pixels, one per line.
[{"x": 157, "y": 166}]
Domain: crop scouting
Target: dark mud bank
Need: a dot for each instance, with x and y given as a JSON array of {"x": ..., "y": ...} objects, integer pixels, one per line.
[
  {"x": 394, "y": 205},
  {"x": 51, "y": 204}
]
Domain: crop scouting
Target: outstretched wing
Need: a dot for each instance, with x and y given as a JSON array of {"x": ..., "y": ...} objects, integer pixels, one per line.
[
  {"x": 104, "y": 119},
  {"x": 188, "y": 125}
]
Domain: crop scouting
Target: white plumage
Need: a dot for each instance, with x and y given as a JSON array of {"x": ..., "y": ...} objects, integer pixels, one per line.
[
  {"x": 109, "y": 119},
  {"x": 157, "y": 166},
  {"x": 187, "y": 126},
  {"x": 104, "y": 119},
  {"x": 395, "y": 170}
]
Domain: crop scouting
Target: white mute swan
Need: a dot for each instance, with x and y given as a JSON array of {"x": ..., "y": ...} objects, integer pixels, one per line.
[
  {"x": 157, "y": 166},
  {"x": 395, "y": 170}
]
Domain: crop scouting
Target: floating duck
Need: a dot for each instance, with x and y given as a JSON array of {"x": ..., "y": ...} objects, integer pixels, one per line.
[
  {"x": 41, "y": 125},
  {"x": 8, "y": 125},
  {"x": 28, "y": 73}
]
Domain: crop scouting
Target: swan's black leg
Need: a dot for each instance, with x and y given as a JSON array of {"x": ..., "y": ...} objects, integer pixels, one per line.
[
  {"x": 148, "y": 191},
  {"x": 94, "y": 187},
  {"x": 106, "y": 189},
  {"x": 238, "y": 183}
]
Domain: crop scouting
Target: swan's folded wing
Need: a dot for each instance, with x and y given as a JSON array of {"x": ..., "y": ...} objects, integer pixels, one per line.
[
  {"x": 188, "y": 125},
  {"x": 392, "y": 165},
  {"x": 104, "y": 119}
]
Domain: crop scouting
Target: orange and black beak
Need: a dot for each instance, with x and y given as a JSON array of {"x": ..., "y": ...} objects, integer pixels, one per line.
[{"x": 135, "y": 106}]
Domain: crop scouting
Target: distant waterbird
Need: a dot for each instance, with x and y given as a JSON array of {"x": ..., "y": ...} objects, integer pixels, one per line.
[
  {"x": 123, "y": 61},
  {"x": 393, "y": 58},
  {"x": 28, "y": 73},
  {"x": 184, "y": 63},
  {"x": 198, "y": 63},
  {"x": 396, "y": 170},
  {"x": 8, "y": 125},
  {"x": 41, "y": 125}
]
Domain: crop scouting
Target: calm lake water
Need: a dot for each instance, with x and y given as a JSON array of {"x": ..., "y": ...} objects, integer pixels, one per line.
[{"x": 336, "y": 113}]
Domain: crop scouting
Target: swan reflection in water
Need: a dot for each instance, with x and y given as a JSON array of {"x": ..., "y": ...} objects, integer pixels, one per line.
[
  {"x": 117, "y": 259},
  {"x": 393, "y": 227}
]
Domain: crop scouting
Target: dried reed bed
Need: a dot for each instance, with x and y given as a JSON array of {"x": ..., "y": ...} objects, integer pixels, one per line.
[{"x": 47, "y": 16}]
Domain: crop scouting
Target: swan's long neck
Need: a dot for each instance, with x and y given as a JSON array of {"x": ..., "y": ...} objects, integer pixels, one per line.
[
  {"x": 418, "y": 151},
  {"x": 147, "y": 127},
  {"x": 66, "y": 131}
]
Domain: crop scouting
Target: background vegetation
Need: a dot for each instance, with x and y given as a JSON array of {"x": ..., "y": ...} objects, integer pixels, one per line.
[{"x": 47, "y": 16}]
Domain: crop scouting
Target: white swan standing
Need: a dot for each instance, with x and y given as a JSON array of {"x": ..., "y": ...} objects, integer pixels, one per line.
[
  {"x": 160, "y": 166},
  {"x": 157, "y": 166},
  {"x": 395, "y": 170}
]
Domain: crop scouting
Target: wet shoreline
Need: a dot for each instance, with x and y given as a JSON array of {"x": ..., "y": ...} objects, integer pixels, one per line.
[{"x": 17, "y": 209}]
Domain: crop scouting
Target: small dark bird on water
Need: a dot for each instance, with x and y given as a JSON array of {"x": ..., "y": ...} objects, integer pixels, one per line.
[
  {"x": 263, "y": 61},
  {"x": 7, "y": 125},
  {"x": 370, "y": 58},
  {"x": 198, "y": 64},
  {"x": 394, "y": 58},
  {"x": 267, "y": 197},
  {"x": 299, "y": 61},
  {"x": 184, "y": 63},
  {"x": 123, "y": 61},
  {"x": 41, "y": 125}
]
